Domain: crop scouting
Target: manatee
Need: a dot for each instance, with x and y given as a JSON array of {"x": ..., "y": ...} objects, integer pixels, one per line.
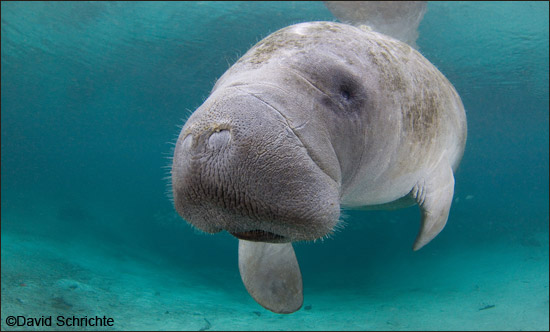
[
  {"x": 399, "y": 19},
  {"x": 316, "y": 117}
]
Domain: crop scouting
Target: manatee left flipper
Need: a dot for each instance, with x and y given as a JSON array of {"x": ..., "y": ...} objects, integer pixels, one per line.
[
  {"x": 434, "y": 195},
  {"x": 271, "y": 275}
]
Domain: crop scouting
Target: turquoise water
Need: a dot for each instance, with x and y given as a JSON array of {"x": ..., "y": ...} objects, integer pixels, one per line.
[{"x": 93, "y": 95}]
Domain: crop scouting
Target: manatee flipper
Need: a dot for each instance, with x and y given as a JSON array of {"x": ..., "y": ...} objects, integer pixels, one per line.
[
  {"x": 434, "y": 195},
  {"x": 271, "y": 274}
]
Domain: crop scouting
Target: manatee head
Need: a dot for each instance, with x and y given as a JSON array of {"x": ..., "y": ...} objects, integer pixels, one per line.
[{"x": 268, "y": 155}]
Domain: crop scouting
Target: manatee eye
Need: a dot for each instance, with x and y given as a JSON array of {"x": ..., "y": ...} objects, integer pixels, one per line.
[
  {"x": 348, "y": 91},
  {"x": 343, "y": 90},
  {"x": 345, "y": 93}
]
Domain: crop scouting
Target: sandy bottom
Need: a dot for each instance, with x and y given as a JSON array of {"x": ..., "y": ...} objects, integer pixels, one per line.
[{"x": 489, "y": 287}]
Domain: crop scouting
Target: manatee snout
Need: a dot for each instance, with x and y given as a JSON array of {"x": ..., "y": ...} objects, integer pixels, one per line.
[{"x": 238, "y": 166}]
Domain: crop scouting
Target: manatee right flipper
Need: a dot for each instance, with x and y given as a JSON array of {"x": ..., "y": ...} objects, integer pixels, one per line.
[{"x": 271, "y": 275}]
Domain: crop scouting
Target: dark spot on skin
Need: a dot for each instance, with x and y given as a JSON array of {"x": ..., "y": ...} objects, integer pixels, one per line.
[{"x": 307, "y": 307}]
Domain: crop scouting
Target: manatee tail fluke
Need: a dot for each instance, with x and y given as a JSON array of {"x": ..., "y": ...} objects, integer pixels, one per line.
[
  {"x": 398, "y": 19},
  {"x": 271, "y": 275}
]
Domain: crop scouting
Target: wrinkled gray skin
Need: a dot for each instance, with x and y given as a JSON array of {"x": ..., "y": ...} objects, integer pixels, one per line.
[{"x": 315, "y": 117}]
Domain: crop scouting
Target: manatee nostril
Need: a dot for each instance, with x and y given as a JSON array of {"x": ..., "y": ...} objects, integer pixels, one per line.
[
  {"x": 219, "y": 139},
  {"x": 187, "y": 142}
]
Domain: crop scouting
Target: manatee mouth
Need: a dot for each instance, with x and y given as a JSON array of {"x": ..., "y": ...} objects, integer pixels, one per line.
[
  {"x": 238, "y": 166},
  {"x": 258, "y": 236}
]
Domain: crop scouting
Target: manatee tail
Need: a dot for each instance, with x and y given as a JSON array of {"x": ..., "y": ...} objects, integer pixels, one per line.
[{"x": 398, "y": 19}]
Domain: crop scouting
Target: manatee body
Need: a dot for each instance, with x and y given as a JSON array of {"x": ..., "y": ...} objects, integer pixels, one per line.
[{"x": 315, "y": 117}]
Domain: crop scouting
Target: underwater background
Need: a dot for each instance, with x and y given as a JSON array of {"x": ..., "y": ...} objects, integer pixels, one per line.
[{"x": 93, "y": 95}]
